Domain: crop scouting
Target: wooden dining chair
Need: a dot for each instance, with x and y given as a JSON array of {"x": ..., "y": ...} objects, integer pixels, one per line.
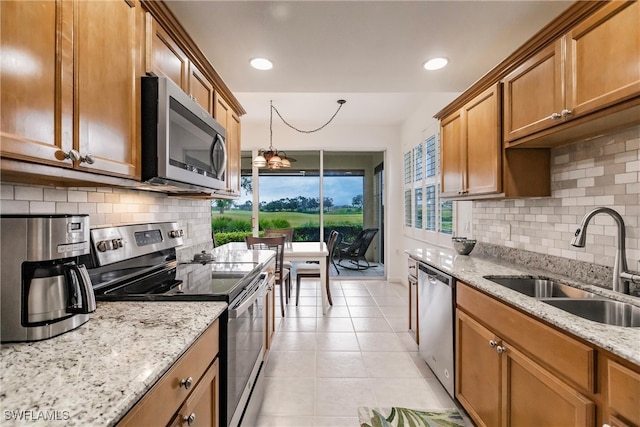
[
  {"x": 313, "y": 270},
  {"x": 288, "y": 238},
  {"x": 283, "y": 276}
]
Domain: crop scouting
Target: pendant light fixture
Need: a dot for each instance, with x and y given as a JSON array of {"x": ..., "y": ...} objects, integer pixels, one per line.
[{"x": 271, "y": 157}]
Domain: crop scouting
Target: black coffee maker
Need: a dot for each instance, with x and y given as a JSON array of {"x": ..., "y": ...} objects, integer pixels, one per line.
[{"x": 45, "y": 290}]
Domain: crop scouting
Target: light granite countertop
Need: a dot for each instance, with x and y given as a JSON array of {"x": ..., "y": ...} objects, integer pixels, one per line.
[
  {"x": 622, "y": 341},
  {"x": 93, "y": 375}
]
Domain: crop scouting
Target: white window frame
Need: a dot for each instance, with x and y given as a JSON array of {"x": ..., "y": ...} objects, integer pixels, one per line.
[{"x": 412, "y": 230}]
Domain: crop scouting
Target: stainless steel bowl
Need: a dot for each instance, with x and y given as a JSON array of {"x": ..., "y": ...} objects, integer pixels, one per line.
[{"x": 463, "y": 246}]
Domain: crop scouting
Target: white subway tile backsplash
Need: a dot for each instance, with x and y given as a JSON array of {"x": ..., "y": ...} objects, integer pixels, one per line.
[
  {"x": 29, "y": 193},
  {"x": 6, "y": 192},
  {"x": 108, "y": 207},
  {"x": 55, "y": 195},
  {"x": 602, "y": 171}
]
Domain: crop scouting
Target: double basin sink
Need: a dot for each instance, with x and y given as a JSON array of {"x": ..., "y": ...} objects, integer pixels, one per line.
[{"x": 573, "y": 300}]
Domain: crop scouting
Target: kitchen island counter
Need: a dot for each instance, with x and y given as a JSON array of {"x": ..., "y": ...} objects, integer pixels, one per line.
[
  {"x": 621, "y": 341},
  {"x": 93, "y": 375}
]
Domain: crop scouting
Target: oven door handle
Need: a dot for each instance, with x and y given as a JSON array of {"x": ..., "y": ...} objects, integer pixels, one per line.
[{"x": 248, "y": 302}]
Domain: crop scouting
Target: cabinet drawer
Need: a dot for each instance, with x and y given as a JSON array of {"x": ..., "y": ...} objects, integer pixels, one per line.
[
  {"x": 159, "y": 405},
  {"x": 624, "y": 391},
  {"x": 558, "y": 352}
]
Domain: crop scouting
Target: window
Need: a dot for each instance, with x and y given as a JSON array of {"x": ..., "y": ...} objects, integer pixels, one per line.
[
  {"x": 418, "y": 207},
  {"x": 407, "y": 208},
  {"x": 418, "y": 160},
  {"x": 407, "y": 167},
  {"x": 423, "y": 209}
]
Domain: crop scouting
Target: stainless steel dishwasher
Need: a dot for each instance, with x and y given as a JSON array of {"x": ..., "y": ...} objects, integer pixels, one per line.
[{"x": 436, "y": 291}]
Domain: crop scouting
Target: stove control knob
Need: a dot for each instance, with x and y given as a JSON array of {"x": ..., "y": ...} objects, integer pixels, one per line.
[
  {"x": 115, "y": 243},
  {"x": 176, "y": 233},
  {"x": 105, "y": 245}
]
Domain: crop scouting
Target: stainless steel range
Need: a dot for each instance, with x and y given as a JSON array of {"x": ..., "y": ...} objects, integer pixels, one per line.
[{"x": 138, "y": 262}]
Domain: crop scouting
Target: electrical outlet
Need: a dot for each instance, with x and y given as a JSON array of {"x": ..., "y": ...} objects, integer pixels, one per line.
[{"x": 506, "y": 232}]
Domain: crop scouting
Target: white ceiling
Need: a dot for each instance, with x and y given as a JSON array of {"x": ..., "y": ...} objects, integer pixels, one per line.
[{"x": 367, "y": 52}]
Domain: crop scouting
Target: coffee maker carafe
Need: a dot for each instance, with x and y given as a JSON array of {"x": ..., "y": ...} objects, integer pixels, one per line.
[{"x": 45, "y": 289}]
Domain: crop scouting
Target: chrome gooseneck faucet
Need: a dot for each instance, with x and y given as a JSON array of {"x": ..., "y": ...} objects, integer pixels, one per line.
[{"x": 621, "y": 275}]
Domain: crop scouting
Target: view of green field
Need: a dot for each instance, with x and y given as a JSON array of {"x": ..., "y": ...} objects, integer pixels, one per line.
[{"x": 296, "y": 219}]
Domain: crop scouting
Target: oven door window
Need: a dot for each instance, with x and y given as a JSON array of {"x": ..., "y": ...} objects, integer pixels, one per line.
[
  {"x": 194, "y": 146},
  {"x": 245, "y": 342}
]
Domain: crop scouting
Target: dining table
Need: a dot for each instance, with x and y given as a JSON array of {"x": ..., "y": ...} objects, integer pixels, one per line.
[{"x": 313, "y": 251}]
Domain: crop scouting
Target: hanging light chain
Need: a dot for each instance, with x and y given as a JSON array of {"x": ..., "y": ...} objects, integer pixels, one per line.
[{"x": 341, "y": 102}]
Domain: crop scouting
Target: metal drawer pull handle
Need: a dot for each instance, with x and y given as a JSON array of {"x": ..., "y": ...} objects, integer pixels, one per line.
[
  {"x": 555, "y": 116},
  {"x": 500, "y": 349},
  {"x": 186, "y": 383},
  {"x": 565, "y": 113},
  {"x": 189, "y": 419},
  {"x": 493, "y": 343}
]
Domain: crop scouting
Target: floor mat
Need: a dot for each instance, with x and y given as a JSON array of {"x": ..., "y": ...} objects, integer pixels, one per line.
[{"x": 403, "y": 417}]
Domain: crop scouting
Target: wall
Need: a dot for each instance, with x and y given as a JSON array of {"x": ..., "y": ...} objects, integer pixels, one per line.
[
  {"x": 111, "y": 206},
  {"x": 603, "y": 171}
]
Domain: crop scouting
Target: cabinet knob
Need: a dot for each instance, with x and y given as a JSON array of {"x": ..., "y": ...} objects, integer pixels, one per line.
[
  {"x": 186, "y": 383},
  {"x": 500, "y": 349},
  {"x": 72, "y": 155},
  {"x": 565, "y": 113},
  {"x": 189, "y": 419},
  {"x": 88, "y": 159},
  {"x": 493, "y": 343},
  {"x": 555, "y": 116}
]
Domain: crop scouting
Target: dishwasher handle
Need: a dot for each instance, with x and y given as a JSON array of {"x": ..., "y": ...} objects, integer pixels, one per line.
[{"x": 434, "y": 275}]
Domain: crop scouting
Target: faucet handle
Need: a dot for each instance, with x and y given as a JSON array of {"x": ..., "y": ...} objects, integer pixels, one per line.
[{"x": 632, "y": 276}]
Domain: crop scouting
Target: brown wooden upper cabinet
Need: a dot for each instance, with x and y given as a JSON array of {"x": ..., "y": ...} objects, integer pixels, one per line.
[
  {"x": 471, "y": 153},
  {"x": 164, "y": 57},
  {"x": 68, "y": 97},
  {"x": 228, "y": 118},
  {"x": 592, "y": 67}
]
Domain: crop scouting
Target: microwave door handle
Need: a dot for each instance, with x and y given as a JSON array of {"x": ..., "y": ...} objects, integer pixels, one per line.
[{"x": 219, "y": 140}]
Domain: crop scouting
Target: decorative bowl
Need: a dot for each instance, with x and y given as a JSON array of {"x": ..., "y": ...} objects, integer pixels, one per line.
[{"x": 462, "y": 245}]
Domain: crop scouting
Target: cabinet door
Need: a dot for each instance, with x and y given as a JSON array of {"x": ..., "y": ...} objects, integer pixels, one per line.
[
  {"x": 623, "y": 394},
  {"x": 106, "y": 107},
  {"x": 483, "y": 143},
  {"x": 200, "y": 88},
  {"x": 478, "y": 371},
  {"x": 534, "y": 397},
  {"x": 603, "y": 53},
  {"x": 201, "y": 407},
  {"x": 231, "y": 122},
  {"x": 533, "y": 92},
  {"x": 413, "y": 309},
  {"x": 452, "y": 156},
  {"x": 163, "y": 56},
  {"x": 36, "y": 80}
]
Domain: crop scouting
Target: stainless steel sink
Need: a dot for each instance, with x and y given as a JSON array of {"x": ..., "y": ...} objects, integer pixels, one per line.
[
  {"x": 605, "y": 311},
  {"x": 539, "y": 287}
]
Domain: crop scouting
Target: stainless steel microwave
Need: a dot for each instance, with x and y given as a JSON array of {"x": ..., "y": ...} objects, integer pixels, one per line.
[{"x": 183, "y": 147}]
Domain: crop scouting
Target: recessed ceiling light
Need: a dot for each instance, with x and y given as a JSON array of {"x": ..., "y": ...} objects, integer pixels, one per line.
[
  {"x": 261, "y": 64},
  {"x": 435, "y": 63}
]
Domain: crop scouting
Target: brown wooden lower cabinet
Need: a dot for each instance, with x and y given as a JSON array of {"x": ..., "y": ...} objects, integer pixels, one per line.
[
  {"x": 623, "y": 394},
  {"x": 190, "y": 386},
  {"x": 201, "y": 408},
  {"x": 511, "y": 370}
]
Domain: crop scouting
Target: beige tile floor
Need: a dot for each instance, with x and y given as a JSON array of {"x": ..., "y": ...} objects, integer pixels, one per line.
[{"x": 322, "y": 368}]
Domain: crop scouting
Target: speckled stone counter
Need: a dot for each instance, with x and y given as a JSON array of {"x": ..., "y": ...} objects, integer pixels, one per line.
[
  {"x": 622, "y": 341},
  {"x": 93, "y": 375}
]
